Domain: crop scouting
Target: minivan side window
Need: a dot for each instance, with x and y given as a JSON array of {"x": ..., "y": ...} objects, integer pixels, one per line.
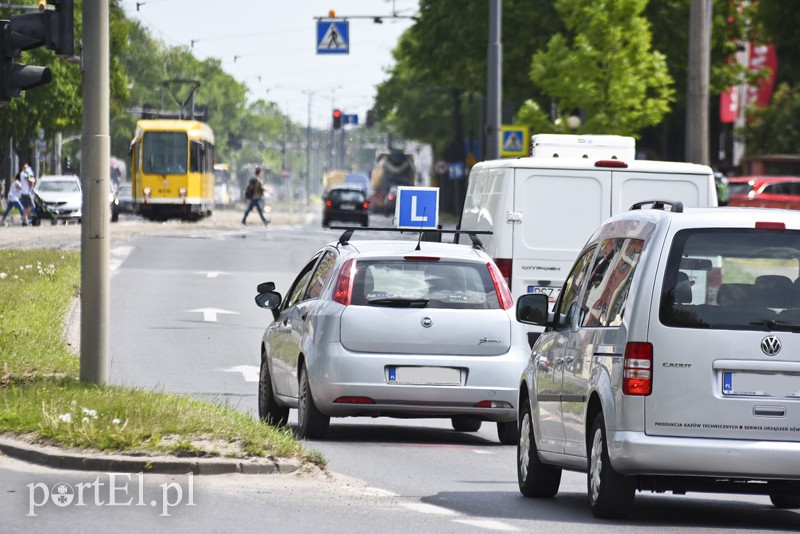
[
  {"x": 568, "y": 304},
  {"x": 609, "y": 282}
]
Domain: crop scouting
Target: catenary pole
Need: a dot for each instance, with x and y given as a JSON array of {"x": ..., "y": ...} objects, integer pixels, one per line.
[
  {"x": 697, "y": 113},
  {"x": 494, "y": 89},
  {"x": 95, "y": 161}
]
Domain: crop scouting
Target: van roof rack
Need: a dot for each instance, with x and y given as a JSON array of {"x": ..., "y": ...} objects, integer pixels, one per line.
[
  {"x": 676, "y": 206},
  {"x": 431, "y": 234}
]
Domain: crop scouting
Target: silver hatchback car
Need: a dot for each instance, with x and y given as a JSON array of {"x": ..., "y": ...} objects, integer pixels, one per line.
[
  {"x": 392, "y": 328},
  {"x": 671, "y": 361}
]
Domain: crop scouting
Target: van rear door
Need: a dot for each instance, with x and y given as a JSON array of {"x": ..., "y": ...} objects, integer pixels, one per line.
[
  {"x": 631, "y": 186},
  {"x": 559, "y": 210}
]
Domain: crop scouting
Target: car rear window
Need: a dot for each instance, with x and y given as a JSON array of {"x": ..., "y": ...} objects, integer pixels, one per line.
[
  {"x": 739, "y": 188},
  {"x": 424, "y": 284},
  {"x": 739, "y": 279},
  {"x": 346, "y": 195}
]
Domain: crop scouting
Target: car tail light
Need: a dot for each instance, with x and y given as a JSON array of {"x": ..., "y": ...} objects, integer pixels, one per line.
[
  {"x": 770, "y": 226},
  {"x": 366, "y": 205},
  {"x": 421, "y": 258},
  {"x": 390, "y": 197},
  {"x": 354, "y": 400},
  {"x": 500, "y": 286},
  {"x": 344, "y": 285},
  {"x": 504, "y": 264},
  {"x": 637, "y": 369},
  {"x": 328, "y": 203},
  {"x": 612, "y": 163}
]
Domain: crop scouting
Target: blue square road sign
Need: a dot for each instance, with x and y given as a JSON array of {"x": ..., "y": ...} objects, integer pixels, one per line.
[
  {"x": 417, "y": 208},
  {"x": 333, "y": 36}
]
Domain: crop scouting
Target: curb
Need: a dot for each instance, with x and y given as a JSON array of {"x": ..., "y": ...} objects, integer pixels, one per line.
[{"x": 167, "y": 465}]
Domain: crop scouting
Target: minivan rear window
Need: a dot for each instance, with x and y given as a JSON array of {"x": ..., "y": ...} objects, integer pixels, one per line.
[
  {"x": 424, "y": 284},
  {"x": 733, "y": 278}
]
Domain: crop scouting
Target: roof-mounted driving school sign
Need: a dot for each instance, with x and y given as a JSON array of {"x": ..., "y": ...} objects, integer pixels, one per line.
[
  {"x": 333, "y": 36},
  {"x": 417, "y": 208}
]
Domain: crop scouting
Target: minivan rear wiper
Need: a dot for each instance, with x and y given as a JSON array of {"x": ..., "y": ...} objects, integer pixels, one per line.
[
  {"x": 400, "y": 302},
  {"x": 773, "y": 324}
]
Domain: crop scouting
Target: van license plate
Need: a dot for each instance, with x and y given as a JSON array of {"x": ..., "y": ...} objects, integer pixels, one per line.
[
  {"x": 425, "y": 376},
  {"x": 760, "y": 384},
  {"x": 551, "y": 292}
]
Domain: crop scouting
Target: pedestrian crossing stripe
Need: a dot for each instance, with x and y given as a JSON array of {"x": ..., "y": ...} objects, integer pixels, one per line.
[
  {"x": 333, "y": 37},
  {"x": 512, "y": 142}
]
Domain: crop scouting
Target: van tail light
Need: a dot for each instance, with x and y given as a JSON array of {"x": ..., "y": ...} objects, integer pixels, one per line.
[
  {"x": 504, "y": 264},
  {"x": 611, "y": 163},
  {"x": 344, "y": 285},
  {"x": 500, "y": 287},
  {"x": 637, "y": 369}
]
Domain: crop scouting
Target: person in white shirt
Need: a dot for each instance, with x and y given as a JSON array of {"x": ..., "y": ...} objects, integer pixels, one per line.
[{"x": 14, "y": 194}]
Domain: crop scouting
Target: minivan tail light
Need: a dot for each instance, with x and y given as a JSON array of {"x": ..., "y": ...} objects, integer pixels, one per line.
[
  {"x": 504, "y": 264},
  {"x": 770, "y": 226},
  {"x": 344, "y": 285},
  {"x": 500, "y": 287},
  {"x": 637, "y": 369}
]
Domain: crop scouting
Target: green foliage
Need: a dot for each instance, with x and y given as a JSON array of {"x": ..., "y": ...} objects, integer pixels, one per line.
[
  {"x": 605, "y": 66},
  {"x": 775, "y": 129}
]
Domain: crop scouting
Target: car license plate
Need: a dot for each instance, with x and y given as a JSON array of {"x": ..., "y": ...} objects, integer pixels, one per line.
[
  {"x": 425, "y": 376},
  {"x": 348, "y": 207},
  {"x": 760, "y": 384},
  {"x": 551, "y": 292}
]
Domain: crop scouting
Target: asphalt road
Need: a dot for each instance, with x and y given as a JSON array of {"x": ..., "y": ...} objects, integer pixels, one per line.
[{"x": 183, "y": 320}]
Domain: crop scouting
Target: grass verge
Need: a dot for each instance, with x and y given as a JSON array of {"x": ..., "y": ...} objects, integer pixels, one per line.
[{"x": 42, "y": 400}]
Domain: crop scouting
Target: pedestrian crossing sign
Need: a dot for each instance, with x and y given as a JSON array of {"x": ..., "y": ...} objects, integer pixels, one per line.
[
  {"x": 513, "y": 141},
  {"x": 333, "y": 36}
]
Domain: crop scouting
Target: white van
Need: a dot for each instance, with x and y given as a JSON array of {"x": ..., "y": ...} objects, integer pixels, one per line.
[{"x": 541, "y": 208}]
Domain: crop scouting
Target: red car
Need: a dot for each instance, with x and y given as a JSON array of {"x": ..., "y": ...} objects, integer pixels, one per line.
[{"x": 765, "y": 191}]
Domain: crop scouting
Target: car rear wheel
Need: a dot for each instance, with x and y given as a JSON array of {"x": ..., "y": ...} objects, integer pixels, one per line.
[
  {"x": 785, "y": 502},
  {"x": 610, "y": 494},
  {"x": 311, "y": 423},
  {"x": 535, "y": 478},
  {"x": 268, "y": 410},
  {"x": 508, "y": 433},
  {"x": 466, "y": 423}
]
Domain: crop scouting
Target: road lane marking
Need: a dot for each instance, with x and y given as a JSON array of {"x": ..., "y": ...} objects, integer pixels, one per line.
[
  {"x": 424, "y": 508},
  {"x": 488, "y": 524},
  {"x": 210, "y": 314},
  {"x": 249, "y": 372},
  {"x": 211, "y": 274},
  {"x": 117, "y": 257}
]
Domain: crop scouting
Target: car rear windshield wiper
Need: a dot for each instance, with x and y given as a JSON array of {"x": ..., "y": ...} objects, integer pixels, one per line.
[
  {"x": 400, "y": 302},
  {"x": 772, "y": 324}
]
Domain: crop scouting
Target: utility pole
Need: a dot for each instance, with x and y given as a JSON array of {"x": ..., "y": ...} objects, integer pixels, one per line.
[
  {"x": 697, "y": 114},
  {"x": 494, "y": 89},
  {"x": 95, "y": 168}
]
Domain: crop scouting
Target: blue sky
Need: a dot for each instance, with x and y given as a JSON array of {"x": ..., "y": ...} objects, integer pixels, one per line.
[{"x": 270, "y": 45}]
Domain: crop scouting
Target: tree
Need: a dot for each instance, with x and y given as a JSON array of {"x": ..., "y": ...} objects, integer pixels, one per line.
[
  {"x": 775, "y": 129},
  {"x": 605, "y": 67}
]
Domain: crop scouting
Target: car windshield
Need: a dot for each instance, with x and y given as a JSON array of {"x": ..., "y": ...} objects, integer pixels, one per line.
[
  {"x": 347, "y": 195},
  {"x": 58, "y": 186},
  {"x": 740, "y": 188},
  {"x": 432, "y": 284},
  {"x": 740, "y": 279}
]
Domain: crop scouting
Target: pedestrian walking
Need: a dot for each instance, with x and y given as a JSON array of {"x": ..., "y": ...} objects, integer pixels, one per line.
[
  {"x": 14, "y": 194},
  {"x": 27, "y": 181},
  {"x": 254, "y": 194}
]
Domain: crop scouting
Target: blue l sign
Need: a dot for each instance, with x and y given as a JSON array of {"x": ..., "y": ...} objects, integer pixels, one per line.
[{"x": 417, "y": 208}]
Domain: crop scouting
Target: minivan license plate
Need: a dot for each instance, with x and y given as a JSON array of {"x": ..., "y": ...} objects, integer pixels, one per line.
[
  {"x": 551, "y": 292},
  {"x": 760, "y": 384},
  {"x": 425, "y": 376}
]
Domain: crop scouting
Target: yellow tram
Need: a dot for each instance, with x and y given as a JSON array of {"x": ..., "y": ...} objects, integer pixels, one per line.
[{"x": 172, "y": 169}]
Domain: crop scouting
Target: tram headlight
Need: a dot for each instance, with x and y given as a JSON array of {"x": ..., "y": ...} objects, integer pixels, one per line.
[
  {"x": 147, "y": 192},
  {"x": 182, "y": 192}
]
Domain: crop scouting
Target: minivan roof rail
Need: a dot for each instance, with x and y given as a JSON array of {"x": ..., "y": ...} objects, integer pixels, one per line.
[
  {"x": 676, "y": 206},
  {"x": 430, "y": 233}
]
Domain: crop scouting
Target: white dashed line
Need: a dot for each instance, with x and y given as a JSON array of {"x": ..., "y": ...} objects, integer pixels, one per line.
[
  {"x": 488, "y": 524},
  {"x": 423, "y": 508}
]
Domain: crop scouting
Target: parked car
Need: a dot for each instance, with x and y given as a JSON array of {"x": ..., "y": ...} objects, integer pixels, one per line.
[
  {"x": 123, "y": 201},
  {"x": 671, "y": 360},
  {"x": 345, "y": 203},
  {"x": 764, "y": 191},
  {"x": 386, "y": 328},
  {"x": 59, "y": 198}
]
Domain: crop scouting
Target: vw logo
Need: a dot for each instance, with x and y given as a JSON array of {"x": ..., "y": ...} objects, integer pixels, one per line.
[
  {"x": 771, "y": 345},
  {"x": 427, "y": 322}
]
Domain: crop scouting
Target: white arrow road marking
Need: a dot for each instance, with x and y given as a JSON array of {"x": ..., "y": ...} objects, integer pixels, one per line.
[
  {"x": 210, "y": 314},
  {"x": 249, "y": 372}
]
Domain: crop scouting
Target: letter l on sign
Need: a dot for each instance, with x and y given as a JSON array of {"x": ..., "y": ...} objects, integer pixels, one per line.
[{"x": 414, "y": 216}]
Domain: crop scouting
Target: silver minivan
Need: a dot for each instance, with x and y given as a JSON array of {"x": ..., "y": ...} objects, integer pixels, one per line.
[{"x": 670, "y": 361}]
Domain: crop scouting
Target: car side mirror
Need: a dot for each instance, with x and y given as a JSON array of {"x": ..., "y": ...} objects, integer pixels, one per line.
[
  {"x": 270, "y": 300},
  {"x": 265, "y": 286},
  {"x": 533, "y": 309}
]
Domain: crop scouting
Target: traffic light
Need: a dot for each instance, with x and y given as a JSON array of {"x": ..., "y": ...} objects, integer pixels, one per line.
[
  {"x": 337, "y": 119},
  {"x": 53, "y": 28},
  {"x": 370, "y": 122}
]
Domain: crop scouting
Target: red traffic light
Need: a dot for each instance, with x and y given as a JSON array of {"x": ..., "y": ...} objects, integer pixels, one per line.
[{"x": 337, "y": 119}]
